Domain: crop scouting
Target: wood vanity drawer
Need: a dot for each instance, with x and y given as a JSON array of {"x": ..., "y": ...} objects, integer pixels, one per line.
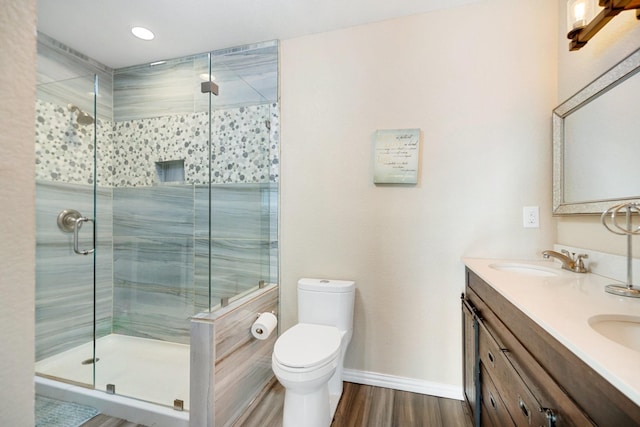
[
  {"x": 524, "y": 408},
  {"x": 494, "y": 412}
]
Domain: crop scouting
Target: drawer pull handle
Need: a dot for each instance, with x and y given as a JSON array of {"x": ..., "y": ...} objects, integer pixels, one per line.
[
  {"x": 550, "y": 416},
  {"x": 490, "y": 356},
  {"x": 492, "y": 400},
  {"x": 524, "y": 409}
]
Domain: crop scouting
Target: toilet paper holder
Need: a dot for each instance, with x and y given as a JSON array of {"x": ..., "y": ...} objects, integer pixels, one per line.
[
  {"x": 259, "y": 330},
  {"x": 272, "y": 312}
]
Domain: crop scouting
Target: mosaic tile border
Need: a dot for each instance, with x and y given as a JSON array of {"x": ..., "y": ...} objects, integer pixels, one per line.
[{"x": 245, "y": 147}]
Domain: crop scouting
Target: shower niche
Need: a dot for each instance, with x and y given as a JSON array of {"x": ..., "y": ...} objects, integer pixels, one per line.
[
  {"x": 182, "y": 188},
  {"x": 170, "y": 171}
]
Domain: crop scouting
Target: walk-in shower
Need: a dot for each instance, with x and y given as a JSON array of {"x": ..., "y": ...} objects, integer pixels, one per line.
[{"x": 155, "y": 202}]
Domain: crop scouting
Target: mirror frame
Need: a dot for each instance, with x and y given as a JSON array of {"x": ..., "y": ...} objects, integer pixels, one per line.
[{"x": 610, "y": 79}]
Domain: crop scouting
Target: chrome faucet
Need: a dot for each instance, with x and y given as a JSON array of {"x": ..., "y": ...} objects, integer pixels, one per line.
[{"x": 570, "y": 261}]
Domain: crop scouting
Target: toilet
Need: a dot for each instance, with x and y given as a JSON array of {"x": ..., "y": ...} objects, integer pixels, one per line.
[{"x": 308, "y": 358}]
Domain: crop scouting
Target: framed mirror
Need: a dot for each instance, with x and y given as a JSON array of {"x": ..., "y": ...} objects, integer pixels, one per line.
[{"x": 596, "y": 143}]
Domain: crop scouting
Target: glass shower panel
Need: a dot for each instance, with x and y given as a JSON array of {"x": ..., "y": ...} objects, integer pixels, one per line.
[
  {"x": 243, "y": 185},
  {"x": 159, "y": 161},
  {"x": 66, "y": 320}
]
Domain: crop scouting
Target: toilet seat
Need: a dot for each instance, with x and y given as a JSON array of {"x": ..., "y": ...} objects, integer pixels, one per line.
[{"x": 306, "y": 347}]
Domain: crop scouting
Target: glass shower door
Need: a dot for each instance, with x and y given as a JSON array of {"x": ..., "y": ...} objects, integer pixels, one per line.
[{"x": 65, "y": 213}]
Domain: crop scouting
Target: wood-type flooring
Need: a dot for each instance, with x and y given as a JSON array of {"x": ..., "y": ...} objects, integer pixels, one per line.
[{"x": 360, "y": 406}]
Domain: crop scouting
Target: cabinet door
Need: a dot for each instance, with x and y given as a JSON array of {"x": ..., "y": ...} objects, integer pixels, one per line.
[{"x": 470, "y": 360}]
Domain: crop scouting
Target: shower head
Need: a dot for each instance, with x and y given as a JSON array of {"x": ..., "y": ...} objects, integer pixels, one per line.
[{"x": 83, "y": 118}]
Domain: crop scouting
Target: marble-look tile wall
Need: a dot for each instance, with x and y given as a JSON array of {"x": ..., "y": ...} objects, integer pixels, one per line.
[
  {"x": 246, "y": 75},
  {"x": 66, "y": 76},
  {"x": 153, "y": 257},
  {"x": 162, "y": 256},
  {"x": 65, "y": 179},
  {"x": 243, "y": 240},
  {"x": 228, "y": 366},
  {"x": 64, "y": 301}
]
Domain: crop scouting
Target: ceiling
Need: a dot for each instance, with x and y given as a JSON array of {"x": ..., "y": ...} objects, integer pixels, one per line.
[{"x": 101, "y": 28}]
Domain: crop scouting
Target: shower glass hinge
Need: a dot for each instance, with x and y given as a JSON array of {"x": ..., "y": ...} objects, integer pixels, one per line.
[
  {"x": 178, "y": 405},
  {"x": 90, "y": 361},
  {"x": 261, "y": 284},
  {"x": 224, "y": 301},
  {"x": 111, "y": 388},
  {"x": 209, "y": 87}
]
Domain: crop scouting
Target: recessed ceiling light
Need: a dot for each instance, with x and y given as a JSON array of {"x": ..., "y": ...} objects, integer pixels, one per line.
[{"x": 143, "y": 33}]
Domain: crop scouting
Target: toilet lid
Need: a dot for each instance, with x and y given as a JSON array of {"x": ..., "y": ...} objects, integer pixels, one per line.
[{"x": 306, "y": 345}]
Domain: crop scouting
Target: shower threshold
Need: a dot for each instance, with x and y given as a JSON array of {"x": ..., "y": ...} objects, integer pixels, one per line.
[{"x": 145, "y": 369}]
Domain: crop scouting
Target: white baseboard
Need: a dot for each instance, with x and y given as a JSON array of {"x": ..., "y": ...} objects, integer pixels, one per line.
[{"x": 402, "y": 383}]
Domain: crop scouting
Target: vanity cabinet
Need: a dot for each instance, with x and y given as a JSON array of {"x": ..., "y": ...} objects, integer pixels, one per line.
[{"x": 517, "y": 374}]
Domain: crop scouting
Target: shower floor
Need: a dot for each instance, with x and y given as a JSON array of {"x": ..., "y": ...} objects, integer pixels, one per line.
[{"x": 145, "y": 369}]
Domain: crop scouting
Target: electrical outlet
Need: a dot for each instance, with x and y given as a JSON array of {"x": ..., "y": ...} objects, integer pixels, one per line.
[{"x": 531, "y": 217}]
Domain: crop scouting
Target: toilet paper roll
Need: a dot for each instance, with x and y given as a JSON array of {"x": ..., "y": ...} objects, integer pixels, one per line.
[{"x": 264, "y": 326}]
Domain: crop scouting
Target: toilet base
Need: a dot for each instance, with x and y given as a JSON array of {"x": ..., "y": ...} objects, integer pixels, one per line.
[
  {"x": 334, "y": 399},
  {"x": 308, "y": 409}
]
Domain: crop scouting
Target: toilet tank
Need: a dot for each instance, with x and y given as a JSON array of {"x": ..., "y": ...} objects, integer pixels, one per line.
[{"x": 326, "y": 302}]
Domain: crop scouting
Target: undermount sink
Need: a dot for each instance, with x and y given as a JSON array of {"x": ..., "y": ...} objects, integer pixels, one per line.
[
  {"x": 525, "y": 269},
  {"x": 625, "y": 330}
]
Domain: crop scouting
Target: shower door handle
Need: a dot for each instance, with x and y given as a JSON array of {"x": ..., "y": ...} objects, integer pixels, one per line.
[
  {"x": 76, "y": 229},
  {"x": 70, "y": 221}
]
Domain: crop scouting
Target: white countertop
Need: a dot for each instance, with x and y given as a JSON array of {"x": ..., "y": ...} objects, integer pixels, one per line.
[{"x": 562, "y": 305}]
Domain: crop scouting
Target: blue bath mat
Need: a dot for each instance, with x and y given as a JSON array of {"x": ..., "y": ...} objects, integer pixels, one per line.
[{"x": 56, "y": 413}]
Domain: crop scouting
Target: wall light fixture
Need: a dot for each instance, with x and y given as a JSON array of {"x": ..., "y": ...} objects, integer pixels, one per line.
[
  {"x": 585, "y": 19},
  {"x": 579, "y": 13}
]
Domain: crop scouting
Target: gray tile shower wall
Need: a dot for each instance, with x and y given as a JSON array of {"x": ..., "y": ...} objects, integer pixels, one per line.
[
  {"x": 152, "y": 259},
  {"x": 243, "y": 235},
  {"x": 158, "y": 211},
  {"x": 64, "y": 279},
  {"x": 247, "y": 75},
  {"x": 161, "y": 252},
  {"x": 65, "y": 179},
  {"x": 169, "y": 88},
  {"x": 66, "y": 76},
  {"x": 153, "y": 255}
]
